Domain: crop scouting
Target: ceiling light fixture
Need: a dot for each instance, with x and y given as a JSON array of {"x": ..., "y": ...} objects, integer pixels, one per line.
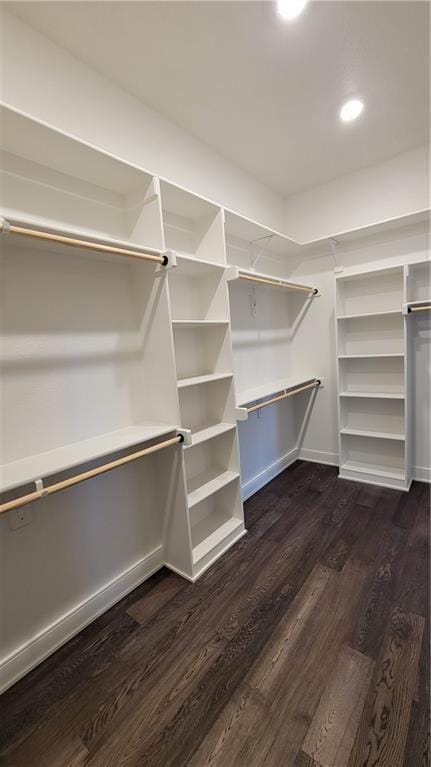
[
  {"x": 351, "y": 109},
  {"x": 290, "y": 9}
]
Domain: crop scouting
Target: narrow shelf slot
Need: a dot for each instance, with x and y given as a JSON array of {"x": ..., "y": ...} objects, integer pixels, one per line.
[
  {"x": 373, "y": 469},
  {"x": 192, "y": 226},
  {"x": 373, "y": 455},
  {"x": 368, "y": 356},
  {"x": 360, "y": 315},
  {"x": 190, "y": 324},
  {"x": 212, "y": 531},
  {"x": 378, "y": 335},
  {"x": 199, "y": 380},
  {"x": 372, "y": 433},
  {"x": 203, "y": 433},
  {"x": 208, "y": 483},
  {"x": 383, "y": 375},
  {"x": 373, "y": 394},
  {"x": 379, "y": 290}
]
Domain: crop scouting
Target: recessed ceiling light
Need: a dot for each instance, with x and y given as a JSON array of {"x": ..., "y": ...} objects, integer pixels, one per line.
[
  {"x": 351, "y": 109},
  {"x": 290, "y": 9}
]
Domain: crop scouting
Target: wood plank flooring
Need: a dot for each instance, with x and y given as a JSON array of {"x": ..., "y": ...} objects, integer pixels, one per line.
[{"x": 307, "y": 645}]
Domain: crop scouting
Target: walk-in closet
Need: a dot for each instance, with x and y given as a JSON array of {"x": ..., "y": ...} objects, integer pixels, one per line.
[{"x": 215, "y": 303}]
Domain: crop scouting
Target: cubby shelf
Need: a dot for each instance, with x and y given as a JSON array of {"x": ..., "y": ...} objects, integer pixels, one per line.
[
  {"x": 372, "y": 394},
  {"x": 206, "y": 432},
  {"x": 199, "y": 323},
  {"x": 67, "y": 457},
  {"x": 372, "y": 469},
  {"x": 369, "y": 314},
  {"x": 368, "y": 356},
  {"x": 212, "y": 531},
  {"x": 208, "y": 483},
  {"x": 183, "y": 383},
  {"x": 371, "y": 433}
]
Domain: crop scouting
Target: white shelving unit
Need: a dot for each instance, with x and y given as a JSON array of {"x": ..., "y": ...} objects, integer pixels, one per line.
[
  {"x": 372, "y": 382},
  {"x": 104, "y": 353},
  {"x": 204, "y": 367}
]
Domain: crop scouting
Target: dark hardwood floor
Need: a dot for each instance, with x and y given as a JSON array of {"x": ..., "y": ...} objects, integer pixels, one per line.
[{"x": 307, "y": 645}]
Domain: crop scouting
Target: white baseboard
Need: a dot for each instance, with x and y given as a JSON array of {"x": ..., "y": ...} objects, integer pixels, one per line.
[
  {"x": 318, "y": 456},
  {"x": 421, "y": 474},
  {"x": 260, "y": 480},
  {"x": 33, "y": 652}
]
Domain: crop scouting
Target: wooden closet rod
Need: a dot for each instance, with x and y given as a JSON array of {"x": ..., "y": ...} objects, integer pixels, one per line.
[
  {"x": 312, "y": 385},
  {"x": 24, "y": 499},
  {"x": 78, "y": 243},
  {"x": 278, "y": 283},
  {"x": 420, "y": 308}
]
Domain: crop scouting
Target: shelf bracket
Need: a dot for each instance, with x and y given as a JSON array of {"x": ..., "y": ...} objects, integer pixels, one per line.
[
  {"x": 241, "y": 413},
  {"x": 186, "y": 434},
  {"x": 232, "y": 273},
  {"x": 170, "y": 257},
  {"x": 4, "y": 227},
  {"x": 40, "y": 487}
]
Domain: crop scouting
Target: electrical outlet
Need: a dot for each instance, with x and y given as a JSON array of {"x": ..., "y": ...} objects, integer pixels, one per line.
[{"x": 20, "y": 517}]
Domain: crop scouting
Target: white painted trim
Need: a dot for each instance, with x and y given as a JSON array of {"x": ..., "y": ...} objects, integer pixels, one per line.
[
  {"x": 34, "y": 651},
  {"x": 318, "y": 456},
  {"x": 421, "y": 474},
  {"x": 260, "y": 480}
]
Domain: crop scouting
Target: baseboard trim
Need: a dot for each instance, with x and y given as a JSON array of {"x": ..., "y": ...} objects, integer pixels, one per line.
[
  {"x": 33, "y": 652},
  {"x": 273, "y": 470},
  {"x": 318, "y": 456},
  {"x": 421, "y": 474}
]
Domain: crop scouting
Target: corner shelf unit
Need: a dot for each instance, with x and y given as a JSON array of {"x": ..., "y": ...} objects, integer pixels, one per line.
[{"x": 373, "y": 378}]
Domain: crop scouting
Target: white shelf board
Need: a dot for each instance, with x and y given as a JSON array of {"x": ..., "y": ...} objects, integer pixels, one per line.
[
  {"x": 371, "y": 468},
  {"x": 212, "y": 531},
  {"x": 369, "y": 314},
  {"x": 373, "y": 394},
  {"x": 378, "y": 434},
  {"x": 273, "y": 387},
  {"x": 41, "y": 465},
  {"x": 182, "y": 383},
  {"x": 204, "y": 433},
  {"x": 208, "y": 483},
  {"x": 368, "y": 356},
  {"x": 198, "y": 323}
]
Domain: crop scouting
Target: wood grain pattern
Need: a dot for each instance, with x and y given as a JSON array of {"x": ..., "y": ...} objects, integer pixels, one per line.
[
  {"x": 272, "y": 647},
  {"x": 383, "y": 735},
  {"x": 332, "y": 732}
]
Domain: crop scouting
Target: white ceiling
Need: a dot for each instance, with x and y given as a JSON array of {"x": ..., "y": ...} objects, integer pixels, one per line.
[{"x": 262, "y": 92}]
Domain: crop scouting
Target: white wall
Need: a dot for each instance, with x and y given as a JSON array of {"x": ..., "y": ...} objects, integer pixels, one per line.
[
  {"x": 41, "y": 79},
  {"x": 389, "y": 190}
]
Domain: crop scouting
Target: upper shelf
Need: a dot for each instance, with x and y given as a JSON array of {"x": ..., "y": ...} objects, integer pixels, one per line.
[
  {"x": 52, "y": 180},
  {"x": 268, "y": 389},
  {"x": 42, "y": 465}
]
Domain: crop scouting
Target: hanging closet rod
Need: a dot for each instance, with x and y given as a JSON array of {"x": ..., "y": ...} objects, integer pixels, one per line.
[
  {"x": 312, "y": 385},
  {"x": 277, "y": 283},
  {"x": 420, "y": 308},
  {"x": 43, "y": 491},
  {"x": 39, "y": 234}
]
